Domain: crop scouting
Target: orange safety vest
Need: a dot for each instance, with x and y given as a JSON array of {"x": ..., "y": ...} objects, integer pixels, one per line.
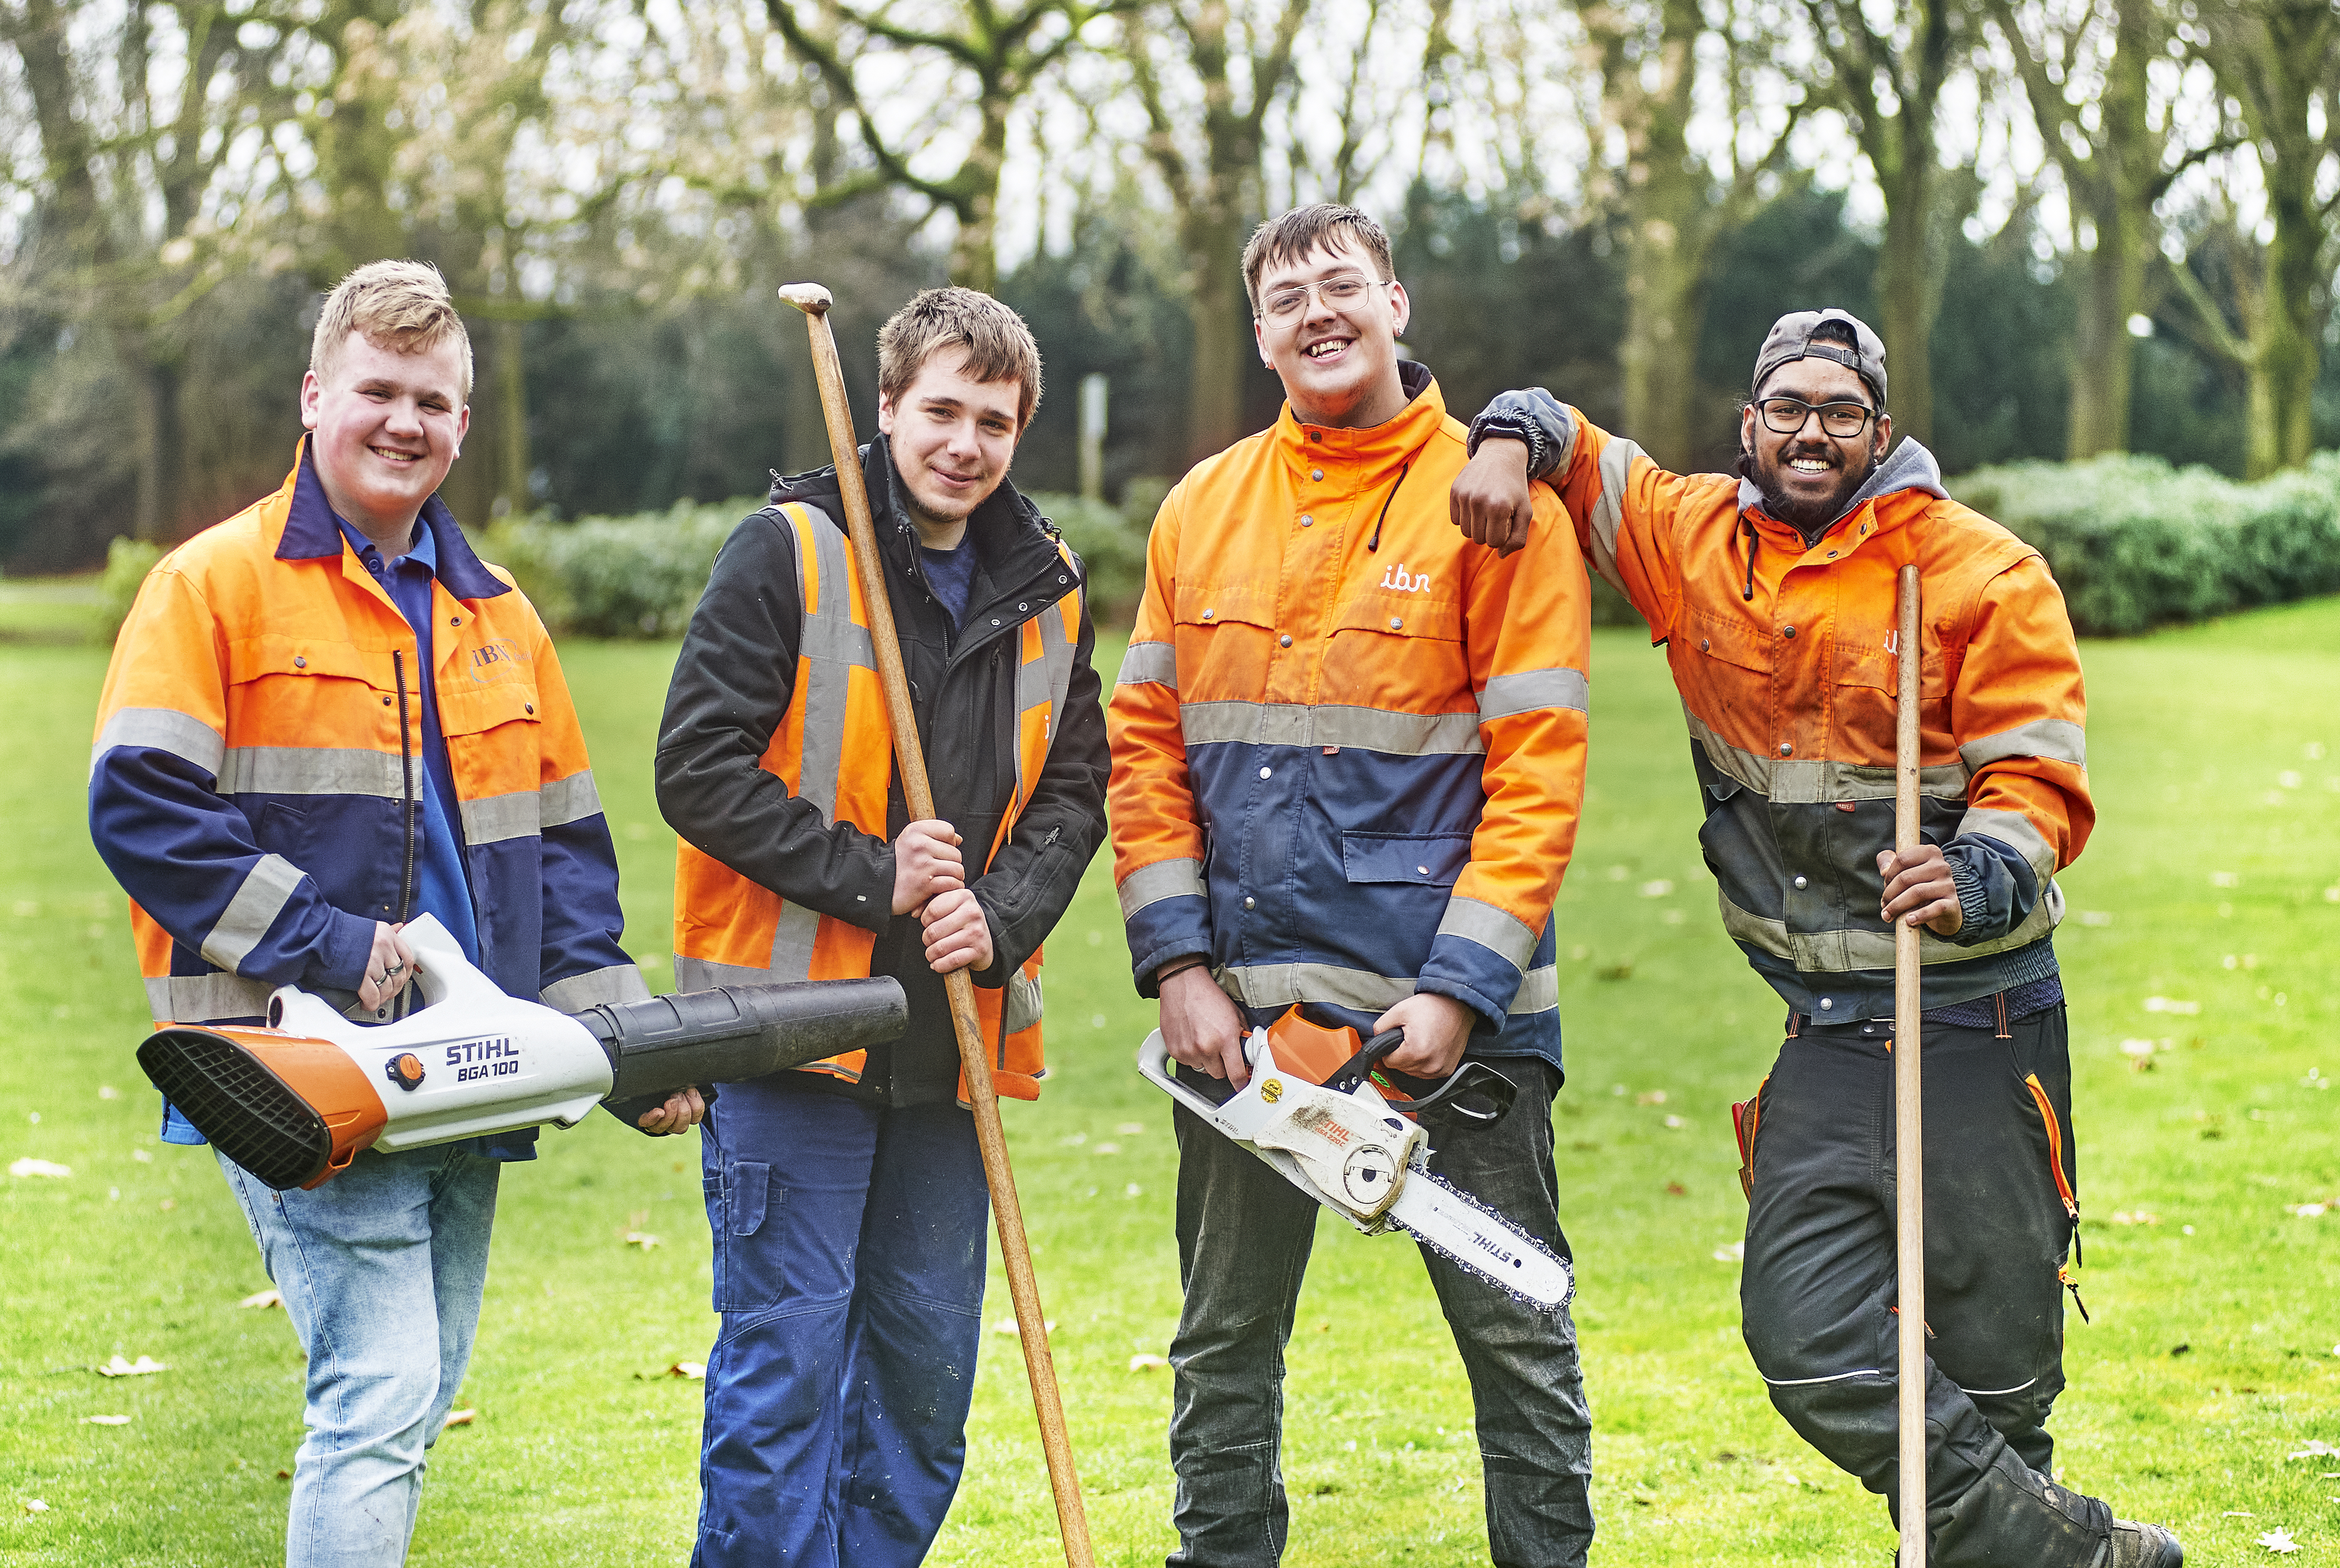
[{"x": 835, "y": 747}]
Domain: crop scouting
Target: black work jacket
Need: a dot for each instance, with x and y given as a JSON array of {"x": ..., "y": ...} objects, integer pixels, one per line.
[{"x": 731, "y": 686}]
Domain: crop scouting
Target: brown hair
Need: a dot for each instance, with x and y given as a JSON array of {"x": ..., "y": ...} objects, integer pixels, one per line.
[
  {"x": 403, "y": 306},
  {"x": 1305, "y": 229},
  {"x": 998, "y": 345}
]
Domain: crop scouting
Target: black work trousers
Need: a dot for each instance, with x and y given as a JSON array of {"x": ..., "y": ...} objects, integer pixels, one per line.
[
  {"x": 1818, "y": 1294},
  {"x": 1244, "y": 1238}
]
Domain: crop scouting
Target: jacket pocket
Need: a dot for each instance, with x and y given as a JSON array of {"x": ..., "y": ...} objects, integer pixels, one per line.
[{"x": 1417, "y": 859}]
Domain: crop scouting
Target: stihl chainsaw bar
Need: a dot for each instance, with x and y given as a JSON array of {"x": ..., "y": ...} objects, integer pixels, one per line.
[{"x": 1360, "y": 1160}]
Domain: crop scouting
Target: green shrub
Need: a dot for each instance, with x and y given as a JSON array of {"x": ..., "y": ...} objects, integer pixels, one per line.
[
  {"x": 637, "y": 575},
  {"x": 127, "y": 562},
  {"x": 2135, "y": 544},
  {"x": 1112, "y": 548}
]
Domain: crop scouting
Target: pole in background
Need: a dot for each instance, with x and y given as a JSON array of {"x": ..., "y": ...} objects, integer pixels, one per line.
[
  {"x": 1093, "y": 401},
  {"x": 1909, "y": 1122},
  {"x": 917, "y": 794}
]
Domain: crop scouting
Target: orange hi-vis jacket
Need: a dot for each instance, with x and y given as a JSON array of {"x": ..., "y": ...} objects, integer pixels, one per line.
[
  {"x": 834, "y": 746},
  {"x": 1785, "y": 656},
  {"x": 256, "y": 769},
  {"x": 1348, "y": 745}
]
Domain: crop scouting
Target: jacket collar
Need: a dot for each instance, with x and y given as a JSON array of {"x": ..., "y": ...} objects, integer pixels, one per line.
[
  {"x": 1908, "y": 467},
  {"x": 312, "y": 532},
  {"x": 1006, "y": 529},
  {"x": 1375, "y": 447}
]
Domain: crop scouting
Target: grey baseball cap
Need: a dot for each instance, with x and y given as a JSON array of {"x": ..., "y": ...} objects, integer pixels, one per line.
[{"x": 1791, "y": 338}]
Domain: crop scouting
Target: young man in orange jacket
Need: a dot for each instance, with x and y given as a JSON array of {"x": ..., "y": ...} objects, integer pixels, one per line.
[
  {"x": 1773, "y": 593},
  {"x": 326, "y": 717},
  {"x": 847, "y": 1200},
  {"x": 1348, "y": 757}
]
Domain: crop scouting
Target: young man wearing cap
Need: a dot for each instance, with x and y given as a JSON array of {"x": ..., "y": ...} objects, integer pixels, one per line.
[
  {"x": 1773, "y": 592},
  {"x": 326, "y": 717},
  {"x": 1348, "y": 756}
]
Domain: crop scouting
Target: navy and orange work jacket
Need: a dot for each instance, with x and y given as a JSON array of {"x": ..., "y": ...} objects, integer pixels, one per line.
[
  {"x": 257, "y": 762},
  {"x": 1784, "y": 652},
  {"x": 1348, "y": 745}
]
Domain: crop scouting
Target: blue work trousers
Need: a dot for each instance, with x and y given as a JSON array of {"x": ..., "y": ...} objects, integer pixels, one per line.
[{"x": 849, "y": 1269}]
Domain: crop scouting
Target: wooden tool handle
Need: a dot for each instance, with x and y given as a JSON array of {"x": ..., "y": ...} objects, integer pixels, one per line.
[
  {"x": 1014, "y": 1246},
  {"x": 1909, "y": 1135}
]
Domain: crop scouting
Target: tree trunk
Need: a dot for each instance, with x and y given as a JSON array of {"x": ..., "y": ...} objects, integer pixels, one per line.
[
  {"x": 1902, "y": 288},
  {"x": 162, "y": 440},
  {"x": 1662, "y": 296},
  {"x": 975, "y": 254},
  {"x": 2284, "y": 370},
  {"x": 2117, "y": 195},
  {"x": 1219, "y": 309},
  {"x": 512, "y": 465}
]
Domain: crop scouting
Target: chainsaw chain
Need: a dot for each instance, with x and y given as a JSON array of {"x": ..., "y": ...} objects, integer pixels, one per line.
[{"x": 1502, "y": 1285}]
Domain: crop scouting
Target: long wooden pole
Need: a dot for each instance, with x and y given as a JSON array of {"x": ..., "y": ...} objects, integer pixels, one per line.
[
  {"x": 1909, "y": 1121},
  {"x": 1015, "y": 1247}
]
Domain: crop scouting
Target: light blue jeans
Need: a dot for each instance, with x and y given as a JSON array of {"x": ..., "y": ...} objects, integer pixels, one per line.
[{"x": 382, "y": 1270}]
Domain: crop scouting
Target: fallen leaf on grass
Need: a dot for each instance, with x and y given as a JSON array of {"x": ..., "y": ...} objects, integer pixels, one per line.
[
  {"x": 2171, "y": 1005},
  {"x": 141, "y": 1367},
  {"x": 1654, "y": 1098},
  {"x": 263, "y": 1299},
  {"x": 29, "y": 1166},
  {"x": 108, "y": 1092},
  {"x": 1675, "y": 1188},
  {"x": 643, "y": 1239},
  {"x": 105, "y": 1421},
  {"x": 459, "y": 1418},
  {"x": 1005, "y": 1326},
  {"x": 2279, "y": 1542},
  {"x": 1735, "y": 1253},
  {"x": 141, "y": 1157},
  {"x": 1130, "y": 1129},
  {"x": 284, "y": 1475},
  {"x": 35, "y": 1505},
  {"x": 2135, "y": 1216},
  {"x": 2312, "y": 1210},
  {"x": 2316, "y": 1449},
  {"x": 1147, "y": 1363},
  {"x": 695, "y": 1371},
  {"x": 1676, "y": 1123}
]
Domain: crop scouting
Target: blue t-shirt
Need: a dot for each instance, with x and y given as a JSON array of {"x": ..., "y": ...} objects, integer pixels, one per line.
[{"x": 951, "y": 574}]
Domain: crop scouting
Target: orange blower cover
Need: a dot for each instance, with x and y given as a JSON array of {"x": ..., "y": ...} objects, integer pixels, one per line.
[{"x": 321, "y": 1073}]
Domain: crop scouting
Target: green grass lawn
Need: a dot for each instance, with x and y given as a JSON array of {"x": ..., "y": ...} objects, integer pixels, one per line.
[{"x": 2213, "y": 881}]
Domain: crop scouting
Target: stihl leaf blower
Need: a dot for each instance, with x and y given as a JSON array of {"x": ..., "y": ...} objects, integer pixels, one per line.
[
  {"x": 294, "y": 1103},
  {"x": 1323, "y": 1111}
]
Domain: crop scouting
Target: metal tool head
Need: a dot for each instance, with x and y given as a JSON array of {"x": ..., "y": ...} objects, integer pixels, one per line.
[{"x": 810, "y": 298}]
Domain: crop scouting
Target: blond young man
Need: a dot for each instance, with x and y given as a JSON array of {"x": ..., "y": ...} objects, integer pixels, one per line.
[
  {"x": 847, "y": 1200},
  {"x": 326, "y": 717}
]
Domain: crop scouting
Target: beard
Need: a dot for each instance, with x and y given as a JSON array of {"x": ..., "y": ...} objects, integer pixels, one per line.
[{"x": 1808, "y": 518}]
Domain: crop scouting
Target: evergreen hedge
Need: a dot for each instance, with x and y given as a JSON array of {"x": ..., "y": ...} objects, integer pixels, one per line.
[{"x": 2135, "y": 543}]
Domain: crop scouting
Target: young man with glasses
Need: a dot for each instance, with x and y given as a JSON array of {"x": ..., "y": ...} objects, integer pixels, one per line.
[
  {"x": 1348, "y": 756},
  {"x": 1774, "y": 595}
]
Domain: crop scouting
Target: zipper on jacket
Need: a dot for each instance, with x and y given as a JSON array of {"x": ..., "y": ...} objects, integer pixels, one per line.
[
  {"x": 406, "y": 772},
  {"x": 2063, "y": 1188}
]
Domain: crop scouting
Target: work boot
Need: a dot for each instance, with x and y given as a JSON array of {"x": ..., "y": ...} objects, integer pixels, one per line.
[{"x": 2135, "y": 1546}]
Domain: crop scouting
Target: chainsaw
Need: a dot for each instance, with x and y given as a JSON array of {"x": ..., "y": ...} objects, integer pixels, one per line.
[
  {"x": 294, "y": 1103},
  {"x": 1332, "y": 1120}
]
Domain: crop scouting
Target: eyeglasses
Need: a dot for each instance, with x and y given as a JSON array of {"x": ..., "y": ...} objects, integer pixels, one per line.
[
  {"x": 1338, "y": 293},
  {"x": 1785, "y": 416}
]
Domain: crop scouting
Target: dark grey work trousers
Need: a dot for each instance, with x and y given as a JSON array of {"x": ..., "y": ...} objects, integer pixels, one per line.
[
  {"x": 1244, "y": 1238},
  {"x": 1818, "y": 1294}
]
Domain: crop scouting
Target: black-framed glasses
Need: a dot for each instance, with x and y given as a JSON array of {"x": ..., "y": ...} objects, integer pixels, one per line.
[
  {"x": 1785, "y": 416},
  {"x": 1338, "y": 292}
]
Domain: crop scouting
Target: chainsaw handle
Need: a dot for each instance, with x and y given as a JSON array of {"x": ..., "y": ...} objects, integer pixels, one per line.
[{"x": 1475, "y": 1093}]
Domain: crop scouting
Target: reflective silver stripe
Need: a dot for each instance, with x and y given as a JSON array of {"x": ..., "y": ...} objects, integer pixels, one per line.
[
  {"x": 1282, "y": 985},
  {"x": 182, "y": 735},
  {"x": 1299, "y": 724},
  {"x": 2015, "y": 830},
  {"x": 1149, "y": 664},
  {"x": 1988, "y": 1393},
  {"x": 705, "y": 974},
  {"x": 827, "y": 577},
  {"x": 499, "y": 816},
  {"x": 1609, "y": 512},
  {"x": 793, "y": 935},
  {"x": 202, "y": 998},
  {"x": 2057, "y": 739},
  {"x": 267, "y": 888},
  {"x": 1056, "y": 651},
  {"x": 1501, "y": 934},
  {"x": 1021, "y": 1007},
  {"x": 1162, "y": 879},
  {"x": 310, "y": 770},
  {"x": 1787, "y": 782},
  {"x": 617, "y": 983},
  {"x": 1808, "y": 1382},
  {"x": 570, "y": 799},
  {"x": 1529, "y": 690},
  {"x": 1835, "y": 952}
]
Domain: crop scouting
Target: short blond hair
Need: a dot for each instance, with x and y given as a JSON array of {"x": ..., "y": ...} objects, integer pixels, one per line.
[
  {"x": 999, "y": 346},
  {"x": 403, "y": 306},
  {"x": 1292, "y": 236}
]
